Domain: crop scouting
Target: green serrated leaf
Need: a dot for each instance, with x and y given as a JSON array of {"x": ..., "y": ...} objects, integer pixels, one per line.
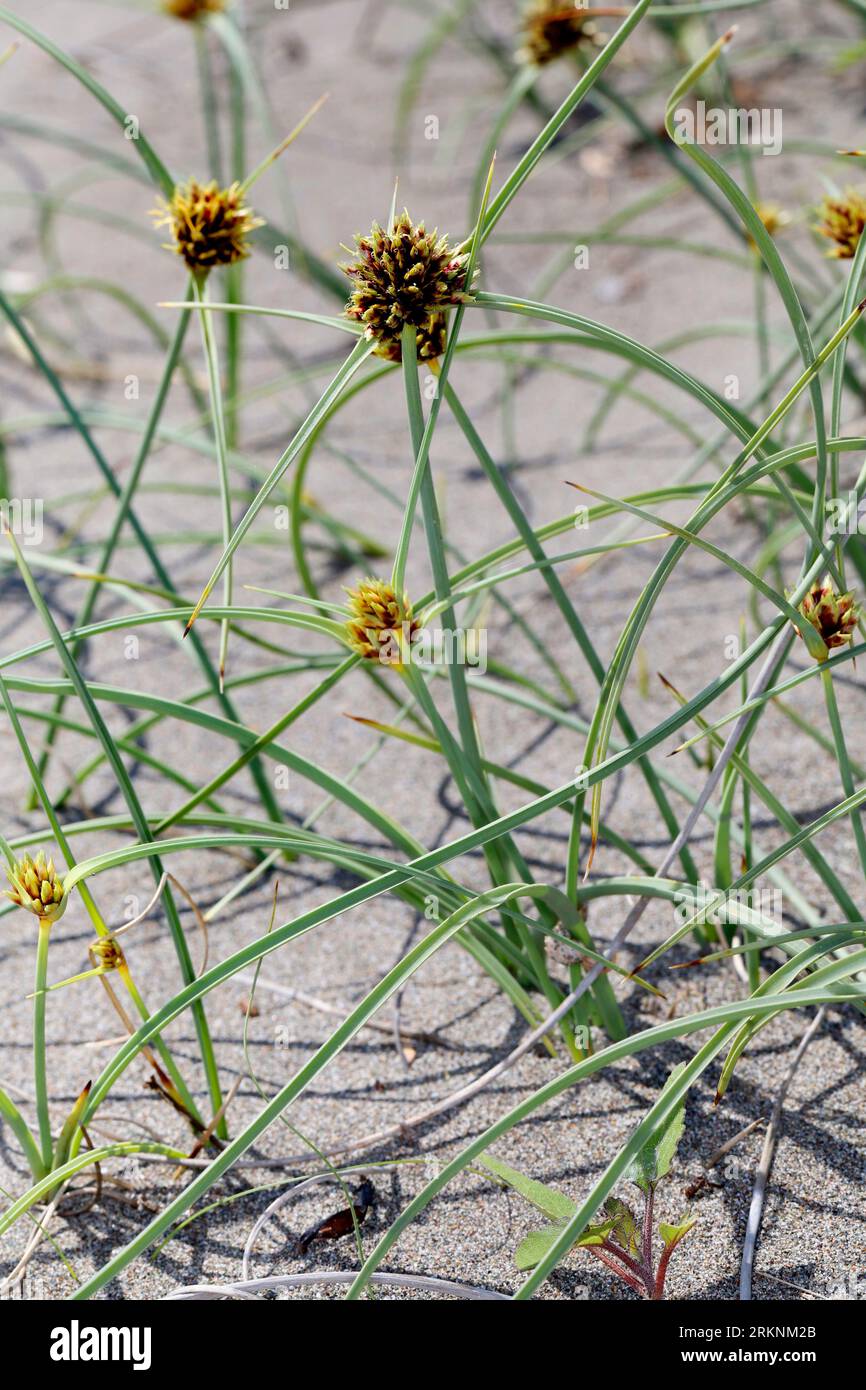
[
  {"x": 535, "y": 1246},
  {"x": 656, "y": 1156},
  {"x": 554, "y": 1204}
]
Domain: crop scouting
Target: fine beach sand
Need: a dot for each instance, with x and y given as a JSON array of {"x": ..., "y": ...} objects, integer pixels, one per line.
[{"x": 340, "y": 177}]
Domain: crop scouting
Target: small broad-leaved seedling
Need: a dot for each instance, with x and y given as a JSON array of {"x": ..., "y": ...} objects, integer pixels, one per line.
[{"x": 622, "y": 1240}]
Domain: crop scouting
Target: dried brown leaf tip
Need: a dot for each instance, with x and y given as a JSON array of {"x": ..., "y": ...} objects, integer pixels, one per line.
[
  {"x": 381, "y": 626},
  {"x": 209, "y": 225},
  {"x": 192, "y": 9},
  {"x": 834, "y": 616},
  {"x": 842, "y": 221},
  {"x": 550, "y": 28},
  {"x": 405, "y": 276},
  {"x": 36, "y": 887}
]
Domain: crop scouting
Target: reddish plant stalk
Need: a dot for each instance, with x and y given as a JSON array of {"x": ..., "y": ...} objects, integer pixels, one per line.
[
  {"x": 634, "y": 1281},
  {"x": 647, "y": 1242},
  {"x": 659, "y": 1289}
]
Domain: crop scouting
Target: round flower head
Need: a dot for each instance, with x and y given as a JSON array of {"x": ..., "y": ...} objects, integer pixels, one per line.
[
  {"x": 380, "y": 628},
  {"x": 834, "y": 616},
  {"x": 192, "y": 9},
  {"x": 405, "y": 276},
  {"x": 36, "y": 887},
  {"x": 842, "y": 221},
  {"x": 550, "y": 28},
  {"x": 209, "y": 225}
]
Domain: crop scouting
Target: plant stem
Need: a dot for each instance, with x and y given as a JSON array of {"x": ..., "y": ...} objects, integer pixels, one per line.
[
  {"x": 633, "y": 1280},
  {"x": 628, "y": 1260},
  {"x": 234, "y": 276},
  {"x": 647, "y": 1236},
  {"x": 199, "y": 289},
  {"x": 39, "y": 1061},
  {"x": 658, "y": 1291}
]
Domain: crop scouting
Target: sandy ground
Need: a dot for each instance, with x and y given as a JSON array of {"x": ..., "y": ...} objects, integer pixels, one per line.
[{"x": 340, "y": 177}]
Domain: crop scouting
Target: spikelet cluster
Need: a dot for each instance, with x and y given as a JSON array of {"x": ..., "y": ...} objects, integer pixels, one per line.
[{"x": 405, "y": 276}]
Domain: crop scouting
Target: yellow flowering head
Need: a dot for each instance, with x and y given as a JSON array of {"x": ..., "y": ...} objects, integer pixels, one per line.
[
  {"x": 550, "y": 28},
  {"x": 192, "y": 9},
  {"x": 381, "y": 627},
  {"x": 209, "y": 225},
  {"x": 834, "y": 616},
  {"x": 842, "y": 221},
  {"x": 773, "y": 217},
  {"x": 36, "y": 887},
  {"x": 405, "y": 276}
]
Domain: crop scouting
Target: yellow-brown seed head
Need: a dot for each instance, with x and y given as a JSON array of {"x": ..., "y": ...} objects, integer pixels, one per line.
[
  {"x": 550, "y": 28},
  {"x": 834, "y": 616},
  {"x": 209, "y": 225},
  {"x": 381, "y": 628},
  {"x": 36, "y": 887},
  {"x": 842, "y": 221},
  {"x": 192, "y": 9},
  {"x": 106, "y": 953},
  {"x": 405, "y": 276}
]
